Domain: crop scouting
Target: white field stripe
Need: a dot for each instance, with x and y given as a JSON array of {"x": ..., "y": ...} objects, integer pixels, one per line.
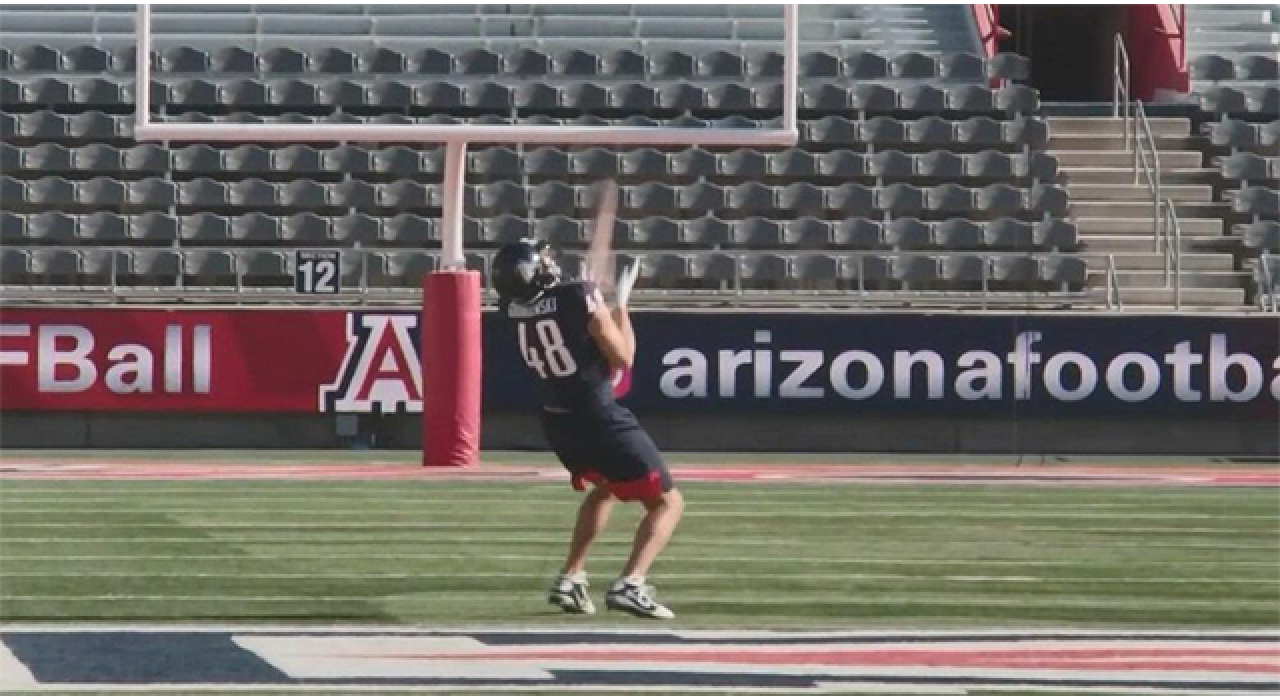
[
  {"x": 727, "y": 540},
  {"x": 1059, "y": 563},
  {"x": 801, "y": 510},
  {"x": 965, "y": 600},
  {"x": 672, "y": 576},
  {"x": 508, "y": 524},
  {"x": 14, "y": 675}
]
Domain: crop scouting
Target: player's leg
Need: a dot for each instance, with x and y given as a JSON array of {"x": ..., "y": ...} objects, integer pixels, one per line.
[
  {"x": 660, "y": 520},
  {"x": 593, "y": 515}
]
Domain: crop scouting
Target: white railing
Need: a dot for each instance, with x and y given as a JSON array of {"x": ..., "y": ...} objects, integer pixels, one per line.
[
  {"x": 1147, "y": 163},
  {"x": 1266, "y": 284},
  {"x": 1120, "y": 79},
  {"x": 1113, "y": 285},
  {"x": 1171, "y": 232}
]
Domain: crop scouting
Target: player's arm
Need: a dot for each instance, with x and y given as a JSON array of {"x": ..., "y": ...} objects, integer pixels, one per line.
[{"x": 612, "y": 332}]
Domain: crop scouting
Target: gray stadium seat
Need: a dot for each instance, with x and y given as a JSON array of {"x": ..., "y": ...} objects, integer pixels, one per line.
[
  {"x": 807, "y": 232},
  {"x": 968, "y": 271},
  {"x": 882, "y": 131},
  {"x": 708, "y": 231},
  {"x": 648, "y": 162},
  {"x": 816, "y": 267},
  {"x": 1000, "y": 200},
  {"x": 1067, "y": 271},
  {"x": 205, "y": 229},
  {"x": 154, "y": 227},
  {"x": 546, "y": 160},
  {"x": 263, "y": 268},
  {"x": 1248, "y": 166},
  {"x": 1049, "y": 200},
  {"x": 148, "y": 158},
  {"x": 1016, "y": 270},
  {"x": 36, "y": 58},
  {"x": 801, "y": 197},
  {"x": 254, "y": 193},
  {"x": 247, "y": 158},
  {"x": 332, "y": 60},
  {"x": 1257, "y": 202},
  {"x": 844, "y": 163},
  {"x": 655, "y": 231},
  {"x": 104, "y": 228},
  {"x": 306, "y": 228},
  {"x": 694, "y": 162},
  {"x": 1258, "y": 67},
  {"x": 751, "y": 196},
  {"x": 758, "y": 232},
  {"x": 900, "y": 199},
  {"x": 506, "y": 228},
  {"x": 560, "y": 230},
  {"x": 996, "y": 165},
  {"x": 1056, "y": 234},
  {"x": 963, "y": 68},
  {"x": 381, "y": 59},
  {"x": 913, "y": 65},
  {"x": 924, "y": 98},
  {"x": 15, "y": 264},
  {"x": 354, "y": 194},
  {"x": 1212, "y": 67},
  {"x": 102, "y": 192},
  {"x": 915, "y": 270},
  {"x": 410, "y": 230},
  {"x": 942, "y": 164},
  {"x": 52, "y": 228},
  {"x": 52, "y": 191},
  {"x": 1262, "y": 235},
  {"x": 54, "y": 262},
  {"x": 356, "y": 229},
  {"x": 256, "y": 228},
  {"x": 764, "y": 268},
  {"x": 156, "y": 267},
  {"x": 348, "y": 159},
  {"x": 13, "y": 227},
  {"x": 909, "y": 234},
  {"x": 208, "y": 268},
  {"x": 857, "y": 233},
  {"x": 651, "y": 197},
  {"x": 960, "y": 234},
  {"x": 47, "y": 157},
  {"x": 853, "y": 199}
]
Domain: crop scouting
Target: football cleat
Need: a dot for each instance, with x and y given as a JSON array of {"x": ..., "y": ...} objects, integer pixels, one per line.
[
  {"x": 636, "y": 599},
  {"x": 571, "y": 596}
]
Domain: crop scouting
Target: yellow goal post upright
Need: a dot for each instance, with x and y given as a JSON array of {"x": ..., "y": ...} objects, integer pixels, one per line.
[{"x": 450, "y": 326}]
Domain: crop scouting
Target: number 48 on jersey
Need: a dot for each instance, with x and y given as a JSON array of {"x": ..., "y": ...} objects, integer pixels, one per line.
[{"x": 545, "y": 352}]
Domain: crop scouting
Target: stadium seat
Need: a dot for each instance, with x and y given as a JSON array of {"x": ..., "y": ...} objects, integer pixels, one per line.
[
  {"x": 15, "y": 265},
  {"x": 1016, "y": 270},
  {"x": 47, "y": 157},
  {"x": 506, "y": 228},
  {"x": 148, "y": 158},
  {"x": 153, "y": 193},
  {"x": 560, "y": 230},
  {"x": 409, "y": 230},
  {"x": 1257, "y": 202},
  {"x": 59, "y": 263},
  {"x": 256, "y": 228},
  {"x": 1065, "y": 270},
  {"x": 1262, "y": 235},
  {"x": 102, "y": 192},
  {"x": 356, "y": 229},
  {"x": 960, "y": 234},
  {"x": 908, "y": 234},
  {"x": 154, "y": 228},
  {"x": 966, "y": 271},
  {"x": 655, "y": 231},
  {"x": 205, "y": 229},
  {"x": 1248, "y": 166},
  {"x": 52, "y": 228},
  {"x": 52, "y": 191},
  {"x": 915, "y": 270},
  {"x": 209, "y": 268}
]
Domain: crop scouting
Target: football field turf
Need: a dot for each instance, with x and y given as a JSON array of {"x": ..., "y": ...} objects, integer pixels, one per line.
[{"x": 748, "y": 555}]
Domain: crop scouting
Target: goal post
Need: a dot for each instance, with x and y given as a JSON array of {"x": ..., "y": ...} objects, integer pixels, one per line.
[{"x": 451, "y": 297}]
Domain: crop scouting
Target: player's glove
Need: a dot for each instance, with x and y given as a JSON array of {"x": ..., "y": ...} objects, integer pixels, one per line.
[{"x": 626, "y": 281}]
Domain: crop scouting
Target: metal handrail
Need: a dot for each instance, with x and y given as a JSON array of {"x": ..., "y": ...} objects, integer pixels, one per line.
[
  {"x": 1150, "y": 167},
  {"x": 1267, "y": 287},
  {"x": 1172, "y": 241},
  {"x": 1113, "y": 285},
  {"x": 1120, "y": 81}
]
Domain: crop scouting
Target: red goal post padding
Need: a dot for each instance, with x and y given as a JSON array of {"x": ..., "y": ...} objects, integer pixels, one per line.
[{"x": 451, "y": 368}]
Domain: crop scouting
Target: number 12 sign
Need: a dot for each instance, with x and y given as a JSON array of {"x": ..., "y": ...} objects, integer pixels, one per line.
[{"x": 317, "y": 271}]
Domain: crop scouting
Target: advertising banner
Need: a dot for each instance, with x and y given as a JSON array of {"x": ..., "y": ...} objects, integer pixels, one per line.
[{"x": 943, "y": 365}]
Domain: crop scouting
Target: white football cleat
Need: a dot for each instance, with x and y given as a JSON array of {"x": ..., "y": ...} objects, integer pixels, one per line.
[
  {"x": 571, "y": 596},
  {"x": 637, "y": 599}
]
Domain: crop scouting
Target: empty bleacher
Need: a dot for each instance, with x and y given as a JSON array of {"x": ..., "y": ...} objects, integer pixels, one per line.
[{"x": 921, "y": 172}]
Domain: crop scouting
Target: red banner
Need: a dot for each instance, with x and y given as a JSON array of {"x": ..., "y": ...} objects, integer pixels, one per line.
[{"x": 216, "y": 360}]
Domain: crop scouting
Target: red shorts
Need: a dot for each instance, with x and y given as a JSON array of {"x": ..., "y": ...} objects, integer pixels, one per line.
[{"x": 646, "y": 488}]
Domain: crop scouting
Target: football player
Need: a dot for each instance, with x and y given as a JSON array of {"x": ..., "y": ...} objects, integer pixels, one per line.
[{"x": 574, "y": 342}]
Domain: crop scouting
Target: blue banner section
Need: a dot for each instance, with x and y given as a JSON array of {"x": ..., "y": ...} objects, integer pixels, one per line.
[{"x": 939, "y": 365}]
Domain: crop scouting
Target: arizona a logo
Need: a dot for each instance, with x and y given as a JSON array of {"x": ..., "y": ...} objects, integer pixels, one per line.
[{"x": 382, "y": 371}]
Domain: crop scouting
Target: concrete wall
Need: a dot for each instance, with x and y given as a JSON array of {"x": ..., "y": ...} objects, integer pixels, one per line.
[{"x": 683, "y": 433}]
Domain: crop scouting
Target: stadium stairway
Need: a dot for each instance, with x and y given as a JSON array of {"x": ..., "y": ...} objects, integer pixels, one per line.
[{"x": 1114, "y": 214}]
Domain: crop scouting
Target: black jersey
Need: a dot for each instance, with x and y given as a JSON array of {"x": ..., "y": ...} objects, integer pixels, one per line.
[{"x": 556, "y": 344}]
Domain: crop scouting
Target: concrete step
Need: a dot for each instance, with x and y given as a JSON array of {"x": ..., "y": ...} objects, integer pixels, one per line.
[
  {"x": 1219, "y": 262},
  {"x": 1164, "y": 297},
  {"x": 1103, "y": 142},
  {"x": 1136, "y": 193},
  {"x": 1130, "y": 243},
  {"x": 1155, "y": 278},
  {"x": 1160, "y": 126},
  {"x": 1094, "y": 175},
  {"x": 1139, "y": 209},
  {"x": 1142, "y": 225},
  {"x": 1117, "y": 159}
]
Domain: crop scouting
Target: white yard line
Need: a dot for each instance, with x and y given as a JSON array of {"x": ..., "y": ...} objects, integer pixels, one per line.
[
  {"x": 510, "y": 523},
  {"x": 967, "y": 600},
  {"x": 815, "y": 510},
  {"x": 670, "y": 557},
  {"x": 410, "y": 576},
  {"x": 728, "y": 540}
]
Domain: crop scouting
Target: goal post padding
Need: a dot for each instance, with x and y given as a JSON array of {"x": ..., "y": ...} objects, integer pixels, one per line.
[{"x": 451, "y": 368}]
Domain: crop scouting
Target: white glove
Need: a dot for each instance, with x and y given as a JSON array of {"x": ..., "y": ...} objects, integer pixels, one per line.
[{"x": 626, "y": 280}]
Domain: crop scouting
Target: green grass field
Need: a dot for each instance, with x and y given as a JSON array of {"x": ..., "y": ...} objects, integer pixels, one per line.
[{"x": 747, "y": 555}]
